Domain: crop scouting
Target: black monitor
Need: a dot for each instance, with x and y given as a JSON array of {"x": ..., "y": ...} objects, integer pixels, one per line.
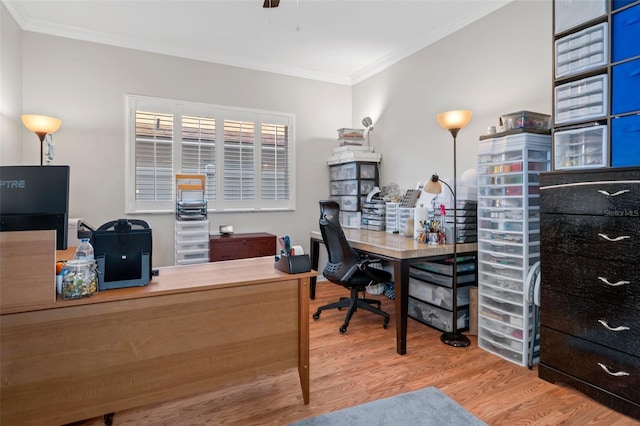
[{"x": 34, "y": 198}]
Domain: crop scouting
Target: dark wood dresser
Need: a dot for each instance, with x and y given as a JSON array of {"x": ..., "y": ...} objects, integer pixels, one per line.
[
  {"x": 590, "y": 292},
  {"x": 241, "y": 246}
]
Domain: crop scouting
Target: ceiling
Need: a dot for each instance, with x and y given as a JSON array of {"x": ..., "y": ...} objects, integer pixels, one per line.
[{"x": 340, "y": 41}]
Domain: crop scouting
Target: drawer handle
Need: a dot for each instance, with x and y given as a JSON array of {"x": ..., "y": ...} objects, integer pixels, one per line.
[
  {"x": 615, "y": 194},
  {"x": 620, "y": 238},
  {"x": 606, "y": 281},
  {"x": 608, "y": 371},
  {"x": 608, "y": 327}
]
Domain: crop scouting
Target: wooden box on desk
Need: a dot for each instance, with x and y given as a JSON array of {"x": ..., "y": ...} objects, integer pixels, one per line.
[
  {"x": 27, "y": 269},
  {"x": 241, "y": 246}
]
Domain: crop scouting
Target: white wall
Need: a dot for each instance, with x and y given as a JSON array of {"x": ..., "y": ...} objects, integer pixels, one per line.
[
  {"x": 11, "y": 90},
  {"x": 497, "y": 65},
  {"x": 84, "y": 84}
]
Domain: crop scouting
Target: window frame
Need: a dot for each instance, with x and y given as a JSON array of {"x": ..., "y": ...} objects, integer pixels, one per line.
[{"x": 178, "y": 109}]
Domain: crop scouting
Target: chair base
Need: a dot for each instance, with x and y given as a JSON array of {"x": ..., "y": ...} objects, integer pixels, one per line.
[{"x": 353, "y": 303}]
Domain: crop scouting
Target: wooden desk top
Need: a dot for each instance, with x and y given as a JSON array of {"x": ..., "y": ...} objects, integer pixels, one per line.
[
  {"x": 396, "y": 245},
  {"x": 187, "y": 278}
]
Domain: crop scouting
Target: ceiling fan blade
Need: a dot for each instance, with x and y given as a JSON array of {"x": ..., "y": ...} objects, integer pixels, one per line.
[{"x": 270, "y": 3}]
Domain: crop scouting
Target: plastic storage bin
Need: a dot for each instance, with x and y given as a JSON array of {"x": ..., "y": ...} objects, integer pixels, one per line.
[
  {"x": 625, "y": 31},
  {"x": 581, "y": 148},
  {"x": 436, "y": 294},
  {"x": 626, "y": 86},
  {"x": 571, "y": 13},
  {"x": 582, "y": 51},
  {"x": 526, "y": 119},
  {"x": 625, "y": 141},
  {"x": 437, "y": 317},
  {"x": 582, "y": 100}
]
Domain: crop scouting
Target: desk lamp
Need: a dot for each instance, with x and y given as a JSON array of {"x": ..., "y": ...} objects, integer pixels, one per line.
[
  {"x": 367, "y": 122},
  {"x": 452, "y": 121},
  {"x": 42, "y": 126}
]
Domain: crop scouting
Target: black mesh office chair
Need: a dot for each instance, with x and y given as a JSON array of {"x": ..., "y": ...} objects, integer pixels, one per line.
[{"x": 346, "y": 268}]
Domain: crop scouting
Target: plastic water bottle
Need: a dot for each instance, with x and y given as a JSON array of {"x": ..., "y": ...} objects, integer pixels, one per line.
[{"x": 84, "y": 250}]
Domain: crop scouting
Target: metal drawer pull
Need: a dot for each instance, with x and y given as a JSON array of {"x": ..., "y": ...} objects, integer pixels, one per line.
[
  {"x": 615, "y": 194},
  {"x": 608, "y": 371},
  {"x": 622, "y": 237},
  {"x": 606, "y": 281},
  {"x": 608, "y": 327}
]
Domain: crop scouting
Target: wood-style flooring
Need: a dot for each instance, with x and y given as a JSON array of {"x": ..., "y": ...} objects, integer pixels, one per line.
[{"x": 362, "y": 365}]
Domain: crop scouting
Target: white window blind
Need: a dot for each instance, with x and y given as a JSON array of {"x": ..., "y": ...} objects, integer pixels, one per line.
[{"x": 246, "y": 155}]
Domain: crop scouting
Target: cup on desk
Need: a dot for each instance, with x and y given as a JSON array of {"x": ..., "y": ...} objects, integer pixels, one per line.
[{"x": 448, "y": 235}]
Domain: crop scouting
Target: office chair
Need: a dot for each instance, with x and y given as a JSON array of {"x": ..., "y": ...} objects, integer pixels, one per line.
[{"x": 346, "y": 268}]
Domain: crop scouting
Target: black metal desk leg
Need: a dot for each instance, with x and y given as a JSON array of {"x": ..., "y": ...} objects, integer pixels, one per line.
[{"x": 314, "y": 254}]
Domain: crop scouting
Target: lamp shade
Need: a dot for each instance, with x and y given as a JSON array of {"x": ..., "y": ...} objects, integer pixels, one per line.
[
  {"x": 433, "y": 185},
  {"x": 454, "y": 119},
  {"x": 41, "y": 123}
]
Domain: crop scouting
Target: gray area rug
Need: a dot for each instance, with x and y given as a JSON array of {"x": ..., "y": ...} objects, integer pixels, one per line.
[{"x": 426, "y": 407}]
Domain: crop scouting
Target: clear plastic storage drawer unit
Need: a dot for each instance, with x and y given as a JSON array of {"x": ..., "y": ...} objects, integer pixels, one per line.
[
  {"x": 581, "y": 148},
  {"x": 582, "y": 100},
  {"x": 582, "y": 51}
]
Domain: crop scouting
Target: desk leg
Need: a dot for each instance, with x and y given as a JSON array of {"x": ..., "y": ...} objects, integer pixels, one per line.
[
  {"x": 401, "y": 284},
  {"x": 303, "y": 336},
  {"x": 314, "y": 254}
]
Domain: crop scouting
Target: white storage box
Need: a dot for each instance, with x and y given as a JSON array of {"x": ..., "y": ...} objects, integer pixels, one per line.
[
  {"x": 571, "y": 13},
  {"x": 192, "y": 256},
  {"x": 192, "y": 226}
]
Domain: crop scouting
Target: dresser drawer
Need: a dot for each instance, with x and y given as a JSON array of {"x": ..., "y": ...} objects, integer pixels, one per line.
[
  {"x": 613, "y": 193},
  {"x": 617, "y": 283},
  {"x": 590, "y": 362},
  {"x": 592, "y": 320},
  {"x": 241, "y": 246},
  {"x": 612, "y": 238}
]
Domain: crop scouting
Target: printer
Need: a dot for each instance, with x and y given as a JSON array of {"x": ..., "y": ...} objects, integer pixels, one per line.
[{"x": 122, "y": 250}]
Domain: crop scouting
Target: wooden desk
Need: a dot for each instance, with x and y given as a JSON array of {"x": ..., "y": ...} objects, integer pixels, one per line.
[
  {"x": 192, "y": 329},
  {"x": 400, "y": 252}
]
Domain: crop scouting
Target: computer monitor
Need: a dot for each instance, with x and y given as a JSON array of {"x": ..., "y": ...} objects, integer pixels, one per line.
[{"x": 34, "y": 198}]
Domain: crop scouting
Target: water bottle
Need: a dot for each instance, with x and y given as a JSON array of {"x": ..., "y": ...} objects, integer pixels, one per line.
[{"x": 84, "y": 250}]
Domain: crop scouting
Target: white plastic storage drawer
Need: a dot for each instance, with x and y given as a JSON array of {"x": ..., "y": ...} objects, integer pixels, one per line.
[
  {"x": 343, "y": 171},
  {"x": 436, "y": 294},
  {"x": 581, "y": 148},
  {"x": 192, "y": 237},
  {"x": 582, "y": 51},
  {"x": 437, "y": 317},
  {"x": 582, "y": 100},
  {"x": 192, "y": 256},
  {"x": 192, "y": 225},
  {"x": 571, "y": 13}
]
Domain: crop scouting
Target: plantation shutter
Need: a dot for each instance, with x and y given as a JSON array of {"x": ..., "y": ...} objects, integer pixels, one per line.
[
  {"x": 153, "y": 156},
  {"x": 275, "y": 162},
  {"x": 199, "y": 150},
  {"x": 239, "y": 160}
]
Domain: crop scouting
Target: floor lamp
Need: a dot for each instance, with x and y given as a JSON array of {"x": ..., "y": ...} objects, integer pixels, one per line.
[
  {"x": 42, "y": 126},
  {"x": 452, "y": 121}
]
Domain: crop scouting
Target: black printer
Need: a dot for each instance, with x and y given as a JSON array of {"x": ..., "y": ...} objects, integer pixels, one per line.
[{"x": 122, "y": 250}]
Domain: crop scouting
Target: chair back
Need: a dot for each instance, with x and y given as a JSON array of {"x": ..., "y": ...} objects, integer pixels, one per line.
[{"x": 343, "y": 259}]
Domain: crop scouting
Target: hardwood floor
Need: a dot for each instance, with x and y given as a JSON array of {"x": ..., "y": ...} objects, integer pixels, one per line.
[{"x": 362, "y": 365}]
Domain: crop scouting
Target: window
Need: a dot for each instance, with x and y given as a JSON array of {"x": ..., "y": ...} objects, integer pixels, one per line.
[{"x": 246, "y": 156}]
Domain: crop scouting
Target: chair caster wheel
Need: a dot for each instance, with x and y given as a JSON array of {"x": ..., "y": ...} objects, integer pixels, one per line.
[
  {"x": 343, "y": 329},
  {"x": 316, "y": 315}
]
